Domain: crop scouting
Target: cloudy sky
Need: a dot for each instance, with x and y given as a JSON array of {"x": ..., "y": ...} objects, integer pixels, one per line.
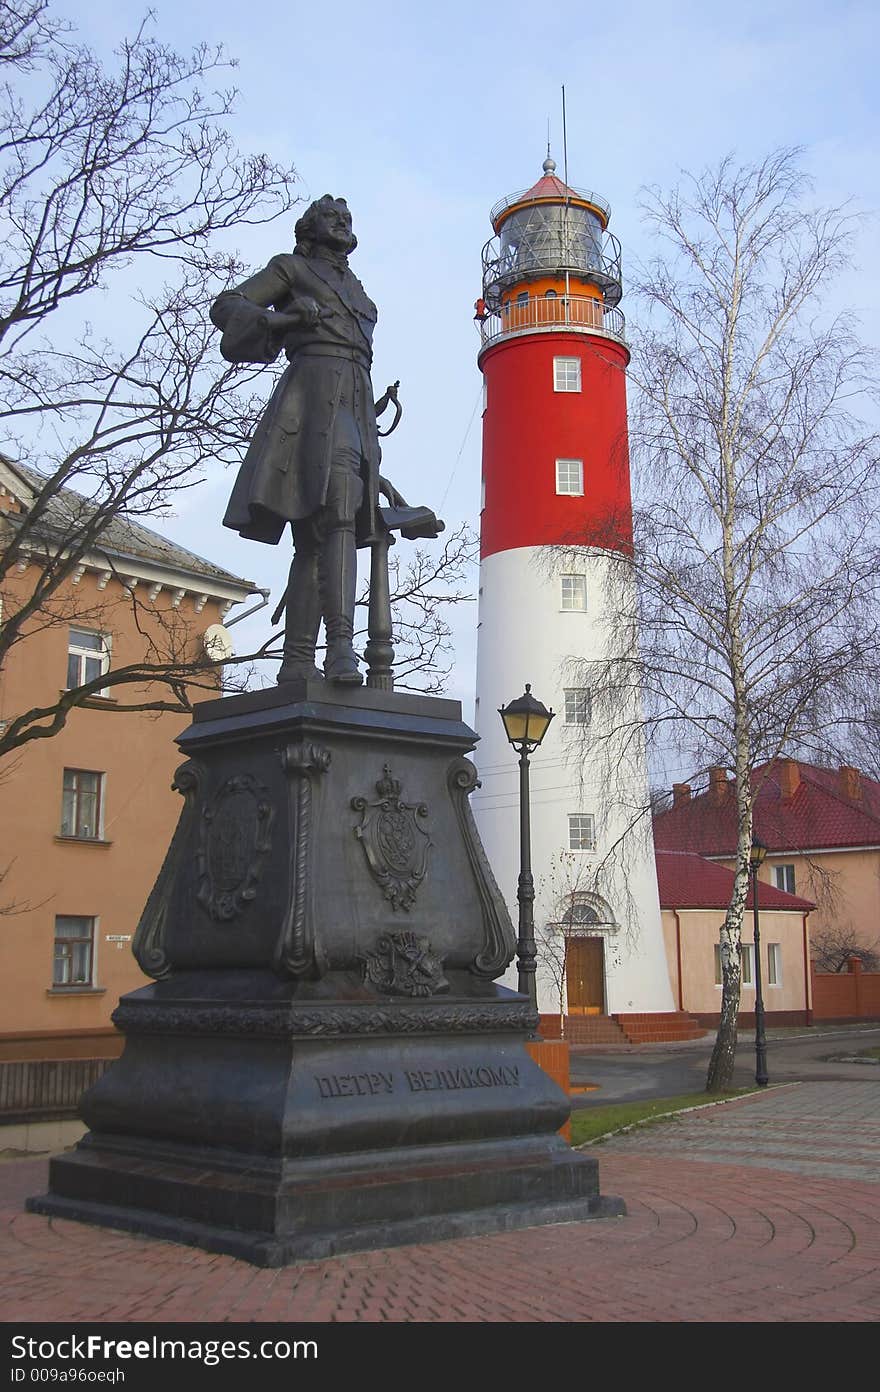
[{"x": 422, "y": 116}]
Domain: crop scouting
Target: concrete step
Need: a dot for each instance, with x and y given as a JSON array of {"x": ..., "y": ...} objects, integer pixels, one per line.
[
  {"x": 592, "y": 1029},
  {"x": 661, "y": 1027}
]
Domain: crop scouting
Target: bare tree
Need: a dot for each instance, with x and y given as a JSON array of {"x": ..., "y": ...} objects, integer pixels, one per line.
[
  {"x": 832, "y": 947},
  {"x": 105, "y": 172},
  {"x": 111, "y": 179},
  {"x": 745, "y": 622}
]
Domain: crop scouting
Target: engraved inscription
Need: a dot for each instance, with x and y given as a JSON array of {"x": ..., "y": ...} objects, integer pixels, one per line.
[
  {"x": 432, "y": 1079},
  {"x": 354, "y": 1084},
  {"x": 331, "y": 1085}
]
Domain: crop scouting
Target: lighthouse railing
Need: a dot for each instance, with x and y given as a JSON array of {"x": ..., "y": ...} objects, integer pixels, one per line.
[{"x": 540, "y": 314}]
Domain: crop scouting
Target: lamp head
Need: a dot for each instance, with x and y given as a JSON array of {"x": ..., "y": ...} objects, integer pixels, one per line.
[{"x": 525, "y": 721}]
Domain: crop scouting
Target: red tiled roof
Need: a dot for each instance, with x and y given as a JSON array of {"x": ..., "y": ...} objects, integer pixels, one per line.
[
  {"x": 819, "y": 814},
  {"x": 549, "y": 186},
  {"x": 687, "y": 881}
]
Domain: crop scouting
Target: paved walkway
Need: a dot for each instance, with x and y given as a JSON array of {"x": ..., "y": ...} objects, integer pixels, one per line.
[{"x": 766, "y": 1209}]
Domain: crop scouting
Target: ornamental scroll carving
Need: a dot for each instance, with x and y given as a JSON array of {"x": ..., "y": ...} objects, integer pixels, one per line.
[
  {"x": 395, "y": 842},
  {"x": 236, "y": 838},
  {"x": 499, "y": 944},
  {"x": 298, "y": 953},
  {"x": 403, "y": 964},
  {"x": 284, "y": 1021},
  {"x": 149, "y": 946}
]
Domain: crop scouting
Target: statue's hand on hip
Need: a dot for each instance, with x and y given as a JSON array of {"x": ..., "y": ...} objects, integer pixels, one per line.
[{"x": 299, "y": 314}]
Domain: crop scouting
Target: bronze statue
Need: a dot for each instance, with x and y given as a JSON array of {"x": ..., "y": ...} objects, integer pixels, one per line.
[{"x": 314, "y": 459}]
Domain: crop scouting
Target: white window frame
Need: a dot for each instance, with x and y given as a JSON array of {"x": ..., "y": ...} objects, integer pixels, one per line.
[
  {"x": 577, "y": 706},
  {"x": 89, "y": 935},
  {"x": 569, "y": 591},
  {"x": 782, "y": 875},
  {"x": 570, "y": 478},
  {"x": 566, "y": 374},
  {"x": 774, "y": 964},
  {"x": 74, "y": 819},
  {"x": 747, "y": 959},
  {"x": 82, "y": 654},
  {"x": 573, "y": 836},
  {"x": 747, "y": 964}
]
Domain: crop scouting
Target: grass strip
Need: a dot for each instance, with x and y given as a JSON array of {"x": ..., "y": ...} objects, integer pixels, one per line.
[{"x": 594, "y": 1123}]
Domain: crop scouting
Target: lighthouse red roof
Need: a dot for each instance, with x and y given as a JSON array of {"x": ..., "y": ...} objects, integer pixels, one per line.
[{"x": 549, "y": 188}]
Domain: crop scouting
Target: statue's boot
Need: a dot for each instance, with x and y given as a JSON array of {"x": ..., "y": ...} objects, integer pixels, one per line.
[
  {"x": 338, "y": 571},
  {"x": 302, "y": 615}
]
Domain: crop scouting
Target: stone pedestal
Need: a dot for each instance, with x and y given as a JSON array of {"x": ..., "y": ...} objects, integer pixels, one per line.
[{"x": 324, "y": 1061}]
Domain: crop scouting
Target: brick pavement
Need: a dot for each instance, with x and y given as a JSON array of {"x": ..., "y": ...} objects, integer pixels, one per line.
[{"x": 767, "y": 1209}]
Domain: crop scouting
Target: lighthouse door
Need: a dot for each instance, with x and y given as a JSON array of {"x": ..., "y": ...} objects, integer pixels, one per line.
[{"x": 585, "y": 975}]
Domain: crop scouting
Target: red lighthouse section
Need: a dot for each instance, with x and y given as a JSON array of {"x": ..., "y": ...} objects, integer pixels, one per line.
[
  {"x": 554, "y": 359},
  {"x": 555, "y": 454}
]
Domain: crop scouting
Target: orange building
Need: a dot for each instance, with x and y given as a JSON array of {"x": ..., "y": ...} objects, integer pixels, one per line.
[{"x": 86, "y": 815}]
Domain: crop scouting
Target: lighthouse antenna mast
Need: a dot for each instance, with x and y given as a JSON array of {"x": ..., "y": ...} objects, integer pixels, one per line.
[{"x": 565, "y": 215}]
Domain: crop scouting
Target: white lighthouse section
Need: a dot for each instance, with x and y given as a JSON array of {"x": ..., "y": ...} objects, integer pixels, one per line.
[{"x": 593, "y": 868}]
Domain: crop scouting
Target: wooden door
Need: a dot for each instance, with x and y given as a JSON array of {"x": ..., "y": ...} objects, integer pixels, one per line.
[{"x": 585, "y": 976}]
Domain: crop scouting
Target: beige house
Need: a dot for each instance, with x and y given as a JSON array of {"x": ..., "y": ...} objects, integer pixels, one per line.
[
  {"x": 86, "y": 815},
  {"x": 694, "y": 894},
  {"x": 822, "y": 830}
]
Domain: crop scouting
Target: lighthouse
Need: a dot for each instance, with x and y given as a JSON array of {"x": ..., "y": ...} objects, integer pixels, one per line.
[{"x": 556, "y": 514}]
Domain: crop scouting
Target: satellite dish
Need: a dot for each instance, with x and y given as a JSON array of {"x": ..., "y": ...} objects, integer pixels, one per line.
[{"x": 217, "y": 642}]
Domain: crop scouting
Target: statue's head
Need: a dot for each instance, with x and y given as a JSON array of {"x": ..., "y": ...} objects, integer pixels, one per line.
[{"x": 326, "y": 222}]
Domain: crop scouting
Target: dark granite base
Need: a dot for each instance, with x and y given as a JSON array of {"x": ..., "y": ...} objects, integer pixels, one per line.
[
  {"x": 271, "y": 1215},
  {"x": 274, "y": 1252},
  {"x": 225, "y": 1126},
  {"x": 324, "y": 1062}
]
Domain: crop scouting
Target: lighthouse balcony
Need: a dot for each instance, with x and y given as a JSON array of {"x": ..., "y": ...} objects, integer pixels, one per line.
[{"x": 540, "y": 314}]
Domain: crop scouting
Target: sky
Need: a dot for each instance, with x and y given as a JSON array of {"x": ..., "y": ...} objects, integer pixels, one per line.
[{"x": 423, "y": 116}]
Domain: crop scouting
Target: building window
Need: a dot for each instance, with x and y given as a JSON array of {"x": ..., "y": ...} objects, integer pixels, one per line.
[
  {"x": 784, "y": 877},
  {"x": 74, "y": 951},
  {"x": 522, "y": 297},
  {"x": 578, "y": 706},
  {"x": 82, "y": 803},
  {"x": 746, "y": 959},
  {"x": 574, "y": 592},
  {"x": 88, "y": 657},
  {"x": 774, "y": 964},
  {"x": 550, "y": 295},
  {"x": 581, "y": 831},
  {"x": 567, "y": 374},
  {"x": 570, "y": 477}
]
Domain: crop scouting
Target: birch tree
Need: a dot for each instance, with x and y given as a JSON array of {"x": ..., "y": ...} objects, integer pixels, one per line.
[{"x": 744, "y": 623}]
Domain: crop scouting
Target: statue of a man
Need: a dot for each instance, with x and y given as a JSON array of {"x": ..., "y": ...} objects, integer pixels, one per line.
[{"x": 314, "y": 459}]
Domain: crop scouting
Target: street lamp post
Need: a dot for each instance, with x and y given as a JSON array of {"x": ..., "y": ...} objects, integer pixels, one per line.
[
  {"x": 525, "y": 723},
  {"x": 756, "y": 860}
]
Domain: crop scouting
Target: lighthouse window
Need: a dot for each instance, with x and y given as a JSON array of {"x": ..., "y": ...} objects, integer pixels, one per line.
[
  {"x": 567, "y": 374},
  {"x": 523, "y": 297},
  {"x": 577, "y": 706},
  {"x": 574, "y": 592},
  {"x": 570, "y": 476},
  {"x": 581, "y": 831}
]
